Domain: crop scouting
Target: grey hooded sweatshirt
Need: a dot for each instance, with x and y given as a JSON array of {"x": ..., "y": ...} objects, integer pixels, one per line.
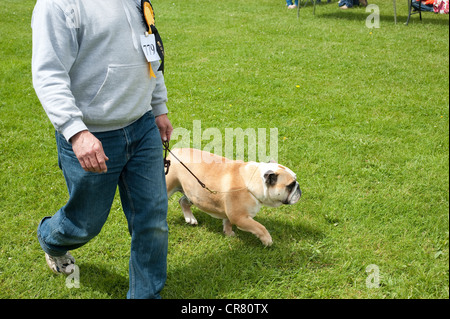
[{"x": 89, "y": 70}]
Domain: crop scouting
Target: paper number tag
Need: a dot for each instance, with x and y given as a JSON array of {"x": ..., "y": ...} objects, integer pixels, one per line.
[{"x": 148, "y": 45}]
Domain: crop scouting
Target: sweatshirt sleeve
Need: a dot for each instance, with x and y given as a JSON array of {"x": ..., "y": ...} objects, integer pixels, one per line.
[
  {"x": 55, "y": 49},
  {"x": 159, "y": 98}
]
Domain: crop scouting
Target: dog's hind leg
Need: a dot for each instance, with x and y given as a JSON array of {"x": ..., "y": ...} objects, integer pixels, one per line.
[
  {"x": 228, "y": 228},
  {"x": 187, "y": 212}
]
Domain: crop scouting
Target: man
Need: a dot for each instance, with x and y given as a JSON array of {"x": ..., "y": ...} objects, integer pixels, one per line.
[{"x": 108, "y": 107}]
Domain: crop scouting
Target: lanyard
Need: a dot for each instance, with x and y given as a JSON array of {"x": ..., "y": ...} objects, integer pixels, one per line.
[{"x": 149, "y": 18}]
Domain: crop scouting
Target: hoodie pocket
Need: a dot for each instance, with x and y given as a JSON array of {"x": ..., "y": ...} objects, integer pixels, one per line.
[{"x": 126, "y": 89}]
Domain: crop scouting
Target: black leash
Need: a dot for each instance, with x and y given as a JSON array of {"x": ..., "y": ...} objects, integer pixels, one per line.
[{"x": 167, "y": 166}]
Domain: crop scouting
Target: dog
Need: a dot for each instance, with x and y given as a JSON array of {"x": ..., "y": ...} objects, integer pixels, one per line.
[{"x": 237, "y": 189}]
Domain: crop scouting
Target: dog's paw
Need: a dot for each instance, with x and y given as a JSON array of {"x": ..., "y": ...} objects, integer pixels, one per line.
[
  {"x": 191, "y": 220},
  {"x": 267, "y": 240},
  {"x": 229, "y": 233}
]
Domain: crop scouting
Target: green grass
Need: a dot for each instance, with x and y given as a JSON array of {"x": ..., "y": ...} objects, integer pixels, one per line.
[{"x": 366, "y": 131}]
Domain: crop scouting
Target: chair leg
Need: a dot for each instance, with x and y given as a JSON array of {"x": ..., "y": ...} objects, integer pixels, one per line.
[
  {"x": 420, "y": 10},
  {"x": 395, "y": 12},
  {"x": 409, "y": 13}
]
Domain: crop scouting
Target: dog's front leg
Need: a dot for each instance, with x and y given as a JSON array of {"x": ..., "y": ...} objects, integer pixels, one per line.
[{"x": 250, "y": 225}]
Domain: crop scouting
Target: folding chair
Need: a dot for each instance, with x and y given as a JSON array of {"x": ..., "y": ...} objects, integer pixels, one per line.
[
  {"x": 418, "y": 10},
  {"x": 328, "y": 1},
  {"x": 314, "y": 8}
]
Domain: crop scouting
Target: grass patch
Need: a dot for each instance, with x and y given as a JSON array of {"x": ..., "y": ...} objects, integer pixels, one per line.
[{"x": 363, "y": 119}]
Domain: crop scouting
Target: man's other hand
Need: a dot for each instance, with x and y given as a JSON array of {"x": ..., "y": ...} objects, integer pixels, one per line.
[
  {"x": 89, "y": 151},
  {"x": 165, "y": 127}
]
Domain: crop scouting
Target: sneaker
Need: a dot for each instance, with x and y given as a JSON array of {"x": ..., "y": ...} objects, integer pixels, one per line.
[{"x": 61, "y": 264}]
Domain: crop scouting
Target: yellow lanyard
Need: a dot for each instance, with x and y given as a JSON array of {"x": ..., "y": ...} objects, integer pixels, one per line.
[{"x": 149, "y": 17}]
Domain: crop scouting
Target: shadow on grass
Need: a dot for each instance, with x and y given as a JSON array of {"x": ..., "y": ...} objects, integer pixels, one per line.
[
  {"x": 401, "y": 19},
  {"x": 103, "y": 280},
  {"x": 244, "y": 264},
  {"x": 245, "y": 268}
]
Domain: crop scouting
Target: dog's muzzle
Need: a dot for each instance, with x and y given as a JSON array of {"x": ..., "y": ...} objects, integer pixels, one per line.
[{"x": 294, "y": 195}]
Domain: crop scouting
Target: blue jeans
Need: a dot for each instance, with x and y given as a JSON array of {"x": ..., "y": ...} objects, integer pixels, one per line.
[
  {"x": 136, "y": 166},
  {"x": 348, "y": 3},
  {"x": 289, "y": 2}
]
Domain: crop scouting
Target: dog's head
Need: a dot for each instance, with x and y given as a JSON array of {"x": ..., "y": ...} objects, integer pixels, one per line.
[{"x": 280, "y": 186}]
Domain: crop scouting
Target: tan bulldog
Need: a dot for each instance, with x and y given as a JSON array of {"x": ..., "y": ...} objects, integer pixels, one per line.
[{"x": 239, "y": 189}]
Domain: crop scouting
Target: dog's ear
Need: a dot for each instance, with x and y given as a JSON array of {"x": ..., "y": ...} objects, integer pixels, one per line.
[{"x": 271, "y": 178}]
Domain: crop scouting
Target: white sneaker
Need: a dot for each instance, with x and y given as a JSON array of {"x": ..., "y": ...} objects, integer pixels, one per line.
[{"x": 61, "y": 264}]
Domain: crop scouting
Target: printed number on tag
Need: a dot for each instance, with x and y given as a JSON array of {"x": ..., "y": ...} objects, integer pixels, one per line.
[{"x": 148, "y": 45}]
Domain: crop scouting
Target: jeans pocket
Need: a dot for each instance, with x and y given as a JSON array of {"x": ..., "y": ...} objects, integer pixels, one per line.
[
  {"x": 150, "y": 115},
  {"x": 64, "y": 148}
]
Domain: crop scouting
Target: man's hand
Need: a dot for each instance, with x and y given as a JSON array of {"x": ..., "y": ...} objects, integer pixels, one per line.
[
  {"x": 89, "y": 151},
  {"x": 165, "y": 127}
]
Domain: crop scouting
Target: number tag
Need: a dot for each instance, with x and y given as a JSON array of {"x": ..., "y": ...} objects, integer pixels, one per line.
[{"x": 148, "y": 45}]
